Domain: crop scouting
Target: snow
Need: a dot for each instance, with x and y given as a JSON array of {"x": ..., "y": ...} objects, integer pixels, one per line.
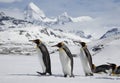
[
  {"x": 23, "y": 35},
  {"x": 37, "y": 10},
  {"x": 22, "y": 69},
  {"x": 110, "y": 53},
  {"x": 111, "y": 32}
]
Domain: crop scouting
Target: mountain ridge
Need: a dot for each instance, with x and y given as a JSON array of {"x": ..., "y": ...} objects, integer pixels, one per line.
[
  {"x": 111, "y": 32},
  {"x": 11, "y": 22},
  {"x": 36, "y": 15}
]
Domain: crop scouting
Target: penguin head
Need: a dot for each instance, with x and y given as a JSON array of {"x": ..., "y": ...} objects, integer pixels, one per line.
[
  {"x": 83, "y": 44},
  {"x": 36, "y": 41},
  {"x": 117, "y": 71},
  {"x": 113, "y": 66},
  {"x": 59, "y": 45}
]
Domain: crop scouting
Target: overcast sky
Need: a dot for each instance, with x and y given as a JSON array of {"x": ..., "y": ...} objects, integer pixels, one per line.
[
  {"x": 105, "y": 13},
  {"x": 73, "y": 7}
]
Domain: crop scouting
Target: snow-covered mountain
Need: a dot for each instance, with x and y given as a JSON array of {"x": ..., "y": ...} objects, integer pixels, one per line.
[
  {"x": 20, "y": 31},
  {"x": 36, "y": 15},
  {"x": 106, "y": 41},
  {"x": 10, "y": 22},
  {"x": 16, "y": 40},
  {"x": 112, "y": 32},
  {"x": 23, "y": 35}
]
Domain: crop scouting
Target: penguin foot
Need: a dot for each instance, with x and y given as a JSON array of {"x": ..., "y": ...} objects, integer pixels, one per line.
[
  {"x": 50, "y": 73},
  {"x": 69, "y": 76},
  {"x": 72, "y": 76},
  {"x": 65, "y": 75},
  {"x": 89, "y": 74},
  {"x": 41, "y": 73}
]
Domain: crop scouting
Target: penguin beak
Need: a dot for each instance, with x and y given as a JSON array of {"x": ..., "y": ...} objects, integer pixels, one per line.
[
  {"x": 31, "y": 41},
  {"x": 109, "y": 63},
  {"x": 54, "y": 46}
]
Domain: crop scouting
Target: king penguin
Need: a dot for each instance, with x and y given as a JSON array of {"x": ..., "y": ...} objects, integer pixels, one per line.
[
  {"x": 105, "y": 68},
  {"x": 66, "y": 59},
  {"x": 86, "y": 59},
  {"x": 44, "y": 57}
]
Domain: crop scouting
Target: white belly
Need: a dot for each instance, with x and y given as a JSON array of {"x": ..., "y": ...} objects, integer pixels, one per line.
[
  {"x": 41, "y": 60},
  {"x": 65, "y": 61},
  {"x": 85, "y": 63}
]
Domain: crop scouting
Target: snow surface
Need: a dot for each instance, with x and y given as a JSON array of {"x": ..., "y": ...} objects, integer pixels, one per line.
[{"x": 22, "y": 69}]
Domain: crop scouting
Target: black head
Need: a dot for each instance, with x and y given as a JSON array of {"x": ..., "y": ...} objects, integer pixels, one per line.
[
  {"x": 59, "y": 45},
  {"x": 37, "y": 41},
  {"x": 117, "y": 71},
  {"x": 118, "y": 67},
  {"x": 113, "y": 66},
  {"x": 83, "y": 44}
]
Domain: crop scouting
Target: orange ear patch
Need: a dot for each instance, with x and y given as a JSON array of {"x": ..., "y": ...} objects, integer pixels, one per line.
[{"x": 62, "y": 43}]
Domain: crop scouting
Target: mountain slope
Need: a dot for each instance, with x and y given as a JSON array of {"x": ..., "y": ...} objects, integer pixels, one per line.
[
  {"x": 34, "y": 13},
  {"x": 110, "y": 40},
  {"x": 16, "y": 40},
  {"x": 110, "y": 33},
  {"x": 10, "y": 22},
  {"x": 22, "y": 35},
  {"x": 109, "y": 53}
]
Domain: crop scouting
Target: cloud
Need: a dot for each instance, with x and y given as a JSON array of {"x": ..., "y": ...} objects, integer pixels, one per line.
[{"x": 9, "y": 1}]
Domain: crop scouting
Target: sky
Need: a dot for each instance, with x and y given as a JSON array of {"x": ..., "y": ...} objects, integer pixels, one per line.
[
  {"x": 105, "y": 13},
  {"x": 73, "y": 7}
]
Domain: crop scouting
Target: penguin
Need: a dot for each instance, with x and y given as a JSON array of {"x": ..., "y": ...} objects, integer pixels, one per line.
[
  {"x": 66, "y": 59},
  {"x": 44, "y": 57},
  {"x": 105, "y": 68},
  {"x": 87, "y": 53},
  {"x": 86, "y": 59}
]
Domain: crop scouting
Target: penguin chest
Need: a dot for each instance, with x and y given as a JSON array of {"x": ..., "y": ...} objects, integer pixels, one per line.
[
  {"x": 65, "y": 61},
  {"x": 83, "y": 57},
  {"x": 40, "y": 56},
  {"x": 85, "y": 62}
]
